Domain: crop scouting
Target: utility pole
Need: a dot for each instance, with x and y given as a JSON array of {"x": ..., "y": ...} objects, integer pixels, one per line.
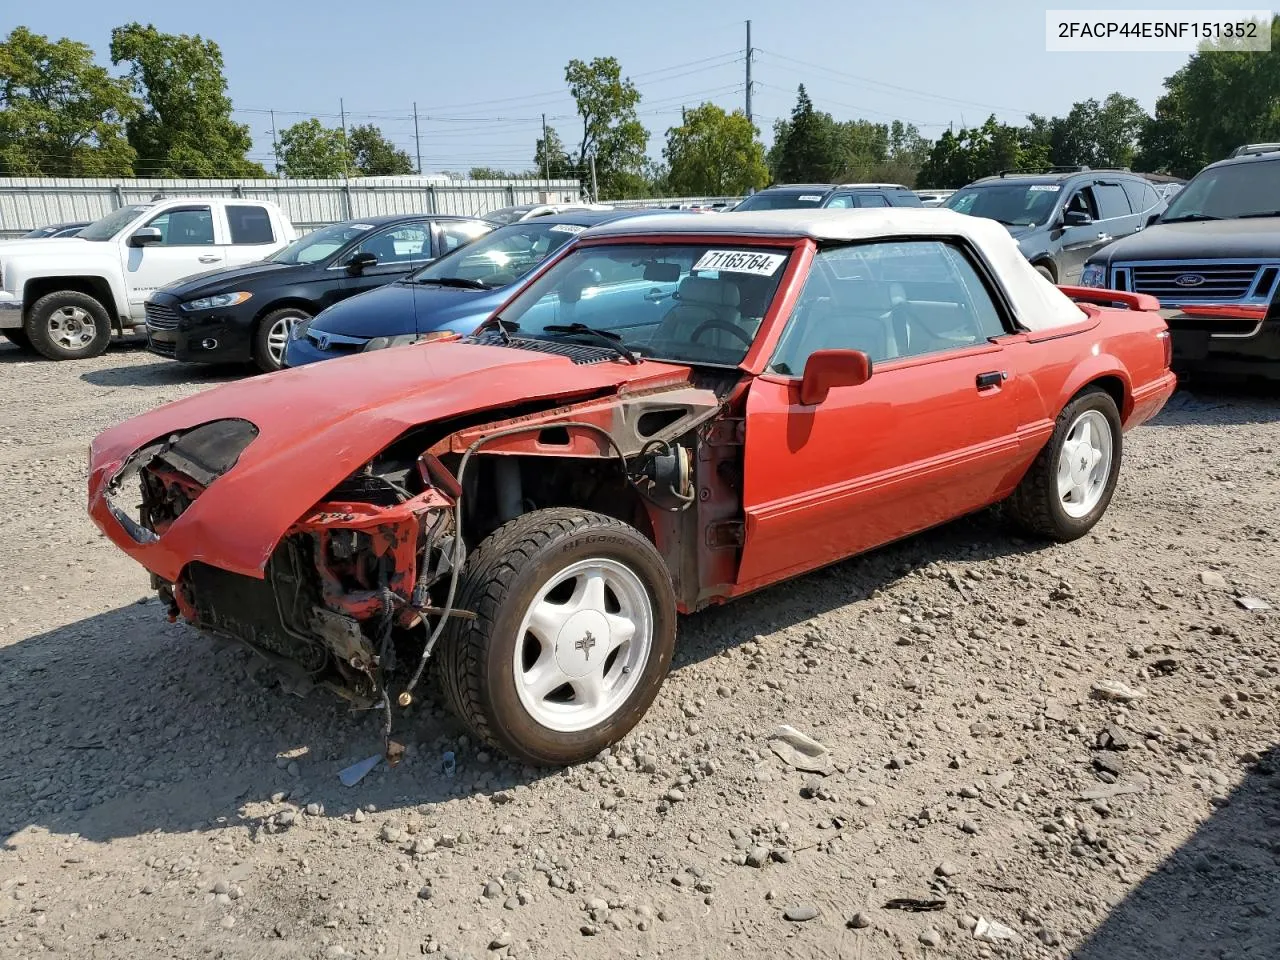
[
  {"x": 750, "y": 53},
  {"x": 595, "y": 191},
  {"x": 346, "y": 166},
  {"x": 546, "y": 156},
  {"x": 275, "y": 146},
  {"x": 683, "y": 118},
  {"x": 417, "y": 141}
]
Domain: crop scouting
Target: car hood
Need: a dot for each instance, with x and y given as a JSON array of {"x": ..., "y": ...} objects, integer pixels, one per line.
[
  {"x": 47, "y": 247},
  {"x": 408, "y": 308},
  {"x": 231, "y": 279},
  {"x": 1199, "y": 240},
  {"x": 317, "y": 425}
]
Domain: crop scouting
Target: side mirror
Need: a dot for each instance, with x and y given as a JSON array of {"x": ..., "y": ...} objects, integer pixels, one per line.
[
  {"x": 577, "y": 283},
  {"x": 832, "y": 368},
  {"x": 1076, "y": 218},
  {"x": 360, "y": 261},
  {"x": 145, "y": 235},
  {"x": 1153, "y": 219}
]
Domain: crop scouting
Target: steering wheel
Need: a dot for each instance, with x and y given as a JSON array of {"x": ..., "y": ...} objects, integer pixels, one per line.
[{"x": 724, "y": 326}]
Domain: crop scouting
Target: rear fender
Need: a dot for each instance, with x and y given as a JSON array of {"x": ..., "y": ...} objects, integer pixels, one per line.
[{"x": 1099, "y": 367}]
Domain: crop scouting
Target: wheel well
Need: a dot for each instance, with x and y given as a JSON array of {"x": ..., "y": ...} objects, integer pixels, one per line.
[
  {"x": 95, "y": 287},
  {"x": 1048, "y": 265},
  {"x": 275, "y": 305},
  {"x": 1115, "y": 389}
]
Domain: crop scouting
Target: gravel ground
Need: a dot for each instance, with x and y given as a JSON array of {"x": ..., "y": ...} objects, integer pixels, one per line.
[{"x": 162, "y": 796}]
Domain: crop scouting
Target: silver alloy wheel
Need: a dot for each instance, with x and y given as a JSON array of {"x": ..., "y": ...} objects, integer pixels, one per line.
[
  {"x": 72, "y": 327},
  {"x": 278, "y": 337},
  {"x": 1084, "y": 465},
  {"x": 583, "y": 645}
]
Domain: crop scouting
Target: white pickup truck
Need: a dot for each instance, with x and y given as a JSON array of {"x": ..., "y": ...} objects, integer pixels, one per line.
[{"x": 64, "y": 297}]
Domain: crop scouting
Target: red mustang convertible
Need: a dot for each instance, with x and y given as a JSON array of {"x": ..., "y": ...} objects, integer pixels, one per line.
[{"x": 675, "y": 411}]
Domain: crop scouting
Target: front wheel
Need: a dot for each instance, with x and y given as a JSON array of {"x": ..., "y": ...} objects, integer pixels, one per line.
[
  {"x": 272, "y": 337},
  {"x": 1070, "y": 484},
  {"x": 68, "y": 325},
  {"x": 575, "y": 626}
]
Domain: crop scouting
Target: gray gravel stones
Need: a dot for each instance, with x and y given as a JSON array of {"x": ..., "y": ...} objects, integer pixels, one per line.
[{"x": 801, "y": 912}]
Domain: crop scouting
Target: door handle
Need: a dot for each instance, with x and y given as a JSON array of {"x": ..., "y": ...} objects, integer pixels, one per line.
[
  {"x": 209, "y": 258},
  {"x": 991, "y": 379}
]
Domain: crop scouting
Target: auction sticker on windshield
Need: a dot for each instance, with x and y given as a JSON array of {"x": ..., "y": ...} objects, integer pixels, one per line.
[
  {"x": 566, "y": 228},
  {"x": 741, "y": 261},
  {"x": 1045, "y": 187}
]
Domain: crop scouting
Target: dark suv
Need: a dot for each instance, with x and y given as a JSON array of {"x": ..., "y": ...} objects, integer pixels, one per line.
[
  {"x": 1216, "y": 245},
  {"x": 1062, "y": 216},
  {"x": 799, "y": 196}
]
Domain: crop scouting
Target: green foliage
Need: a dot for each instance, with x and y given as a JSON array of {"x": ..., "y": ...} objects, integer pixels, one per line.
[
  {"x": 185, "y": 127},
  {"x": 807, "y": 147},
  {"x": 61, "y": 115},
  {"x": 960, "y": 158},
  {"x": 373, "y": 155},
  {"x": 493, "y": 173},
  {"x": 551, "y": 159},
  {"x": 714, "y": 153},
  {"x": 310, "y": 149},
  {"x": 611, "y": 130}
]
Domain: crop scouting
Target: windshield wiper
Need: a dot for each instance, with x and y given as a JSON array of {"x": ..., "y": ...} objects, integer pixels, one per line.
[
  {"x": 606, "y": 338},
  {"x": 503, "y": 327},
  {"x": 464, "y": 282},
  {"x": 1190, "y": 217},
  {"x": 1265, "y": 213}
]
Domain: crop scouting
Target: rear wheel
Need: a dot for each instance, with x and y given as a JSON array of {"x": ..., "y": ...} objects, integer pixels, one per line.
[
  {"x": 272, "y": 337},
  {"x": 68, "y": 325},
  {"x": 573, "y": 636},
  {"x": 1045, "y": 272},
  {"x": 1070, "y": 484}
]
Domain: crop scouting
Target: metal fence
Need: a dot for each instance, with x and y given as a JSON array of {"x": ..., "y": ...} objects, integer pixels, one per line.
[
  {"x": 673, "y": 202},
  {"x": 30, "y": 202}
]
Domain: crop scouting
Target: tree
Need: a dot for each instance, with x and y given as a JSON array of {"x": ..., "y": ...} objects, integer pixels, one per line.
[
  {"x": 61, "y": 115},
  {"x": 714, "y": 153},
  {"x": 551, "y": 159},
  {"x": 611, "y": 131},
  {"x": 807, "y": 147},
  {"x": 493, "y": 173},
  {"x": 310, "y": 149},
  {"x": 960, "y": 158},
  {"x": 185, "y": 128},
  {"x": 1097, "y": 134},
  {"x": 373, "y": 155},
  {"x": 1221, "y": 98}
]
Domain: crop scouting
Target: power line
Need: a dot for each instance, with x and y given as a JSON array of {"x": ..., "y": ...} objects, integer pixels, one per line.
[{"x": 861, "y": 109}]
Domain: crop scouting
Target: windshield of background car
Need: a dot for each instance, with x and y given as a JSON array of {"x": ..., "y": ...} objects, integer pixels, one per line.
[
  {"x": 684, "y": 302},
  {"x": 506, "y": 214},
  {"x": 113, "y": 222},
  {"x": 1236, "y": 190},
  {"x": 1013, "y": 204},
  {"x": 783, "y": 200},
  {"x": 318, "y": 244},
  {"x": 501, "y": 257}
]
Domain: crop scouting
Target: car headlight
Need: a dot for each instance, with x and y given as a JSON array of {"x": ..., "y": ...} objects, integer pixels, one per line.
[
  {"x": 216, "y": 301},
  {"x": 404, "y": 339},
  {"x": 1094, "y": 275}
]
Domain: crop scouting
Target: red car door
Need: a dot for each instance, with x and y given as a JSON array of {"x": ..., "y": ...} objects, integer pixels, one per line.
[{"x": 932, "y": 435}]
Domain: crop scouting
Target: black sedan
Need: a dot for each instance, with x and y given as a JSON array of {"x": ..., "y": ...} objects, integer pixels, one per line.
[{"x": 245, "y": 313}]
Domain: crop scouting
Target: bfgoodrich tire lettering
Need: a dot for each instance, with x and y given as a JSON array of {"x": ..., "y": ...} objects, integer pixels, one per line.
[
  {"x": 1039, "y": 504},
  {"x": 489, "y": 666}
]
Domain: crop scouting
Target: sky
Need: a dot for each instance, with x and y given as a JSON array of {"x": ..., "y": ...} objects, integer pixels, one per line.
[{"x": 483, "y": 74}]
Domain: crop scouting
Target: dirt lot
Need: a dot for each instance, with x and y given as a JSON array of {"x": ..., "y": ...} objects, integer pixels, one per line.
[{"x": 161, "y": 796}]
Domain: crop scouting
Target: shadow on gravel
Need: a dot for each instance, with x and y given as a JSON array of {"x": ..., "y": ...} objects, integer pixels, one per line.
[
  {"x": 1218, "y": 896},
  {"x": 1203, "y": 403},
  {"x": 164, "y": 373},
  {"x": 123, "y": 724}
]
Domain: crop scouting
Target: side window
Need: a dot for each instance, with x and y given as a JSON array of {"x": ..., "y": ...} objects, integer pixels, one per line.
[
  {"x": 250, "y": 224},
  {"x": 406, "y": 244},
  {"x": 1112, "y": 201},
  {"x": 1083, "y": 202},
  {"x": 841, "y": 201},
  {"x": 458, "y": 233},
  {"x": 184, "y": 227},
  {"x": 891, "y": 300},
  {"x": 873, "y": 200}
]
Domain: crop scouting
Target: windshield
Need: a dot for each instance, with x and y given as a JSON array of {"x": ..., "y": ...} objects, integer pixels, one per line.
[
  {"x": 113, "y": 222},
  {"x": 502, "y": 257},
  {"x": 1013, "y": 204},
  {"x": 689, "y": 303},
  {"x": 318, "y": 244},
  {"x": 1236, "y": 190},
  {"x": 506, "y": 214},
  {"x": 783, "y": 200}
]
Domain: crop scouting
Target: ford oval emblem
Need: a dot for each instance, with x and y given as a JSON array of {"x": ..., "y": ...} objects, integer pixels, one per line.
[{"x": 1189, "y": 280}]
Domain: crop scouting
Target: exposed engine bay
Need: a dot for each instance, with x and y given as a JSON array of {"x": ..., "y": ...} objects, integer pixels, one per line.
[{"x": 359, "y": 590}]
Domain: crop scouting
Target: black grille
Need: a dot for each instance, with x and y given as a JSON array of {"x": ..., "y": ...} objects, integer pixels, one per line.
[
  {"x": 160, "y": 316},
  {"x": 577, "y": 352},
  {"x": 1220, "y": 281},
  {"x": 162, "y": 348}
]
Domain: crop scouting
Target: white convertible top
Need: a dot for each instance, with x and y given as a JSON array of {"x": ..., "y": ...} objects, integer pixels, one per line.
[{"x": 1038, "y": 304}]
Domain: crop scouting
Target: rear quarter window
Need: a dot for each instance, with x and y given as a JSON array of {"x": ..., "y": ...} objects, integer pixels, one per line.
[{"x": 250, "y": 224}]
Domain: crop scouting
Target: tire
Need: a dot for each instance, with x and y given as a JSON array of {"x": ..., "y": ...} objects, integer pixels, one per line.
[
  {"x": 1045, "y": 272},
  {"x": 68, "y": 325},
  {"x": 554, "y": 554},
  {"x": 268, "y": 347},
  {"x": 18, "y": 337},
  {"x": 1039, "y": 505}
]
